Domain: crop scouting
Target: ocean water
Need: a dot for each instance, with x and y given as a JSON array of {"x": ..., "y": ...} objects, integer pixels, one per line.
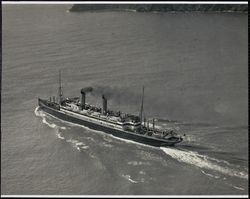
[{"x": 193, "y": 66}]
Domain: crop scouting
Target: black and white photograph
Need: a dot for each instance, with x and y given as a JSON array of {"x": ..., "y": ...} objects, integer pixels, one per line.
[{"x": 133, "y": 99}]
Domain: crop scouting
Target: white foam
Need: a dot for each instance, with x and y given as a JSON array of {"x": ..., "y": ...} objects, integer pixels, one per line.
[
  {"x": 90, "y": 138},
  {"x": 52, "y": 125},
  {"x": 148, "y": 156},
  {"x": 129, "y": 178},
  {"x": 107, "y": 145},
  {"x": 59, "y": 136},
  {"x": 38, "y": 112},
  {"x": 234, "y": 186},
  {"x": 136, "y": 163},
  {"x": 78, "y": 148},
  {"x": 221, "y": 161},
  {"x": 80, "y": 144},
  {"x": 239, "y": 188},
  {"x": 210, "y": 175},
  {"x": 202, "y": 161},
  {"x": 41, "y": 114},
  {"x": 71, "y": 141},
  {"x": 77, "y": 144}
]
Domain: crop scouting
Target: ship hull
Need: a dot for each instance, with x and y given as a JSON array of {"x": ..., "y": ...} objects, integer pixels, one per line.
[{"x": 115, "y": 132}]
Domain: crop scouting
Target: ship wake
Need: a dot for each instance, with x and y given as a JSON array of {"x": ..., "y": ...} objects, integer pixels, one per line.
[
  {"x": 128, "y": 177},
  {"x": 75, "y": 143},
  {"x": 51, "y": 125},
  {"x": 204, "y": 162}
]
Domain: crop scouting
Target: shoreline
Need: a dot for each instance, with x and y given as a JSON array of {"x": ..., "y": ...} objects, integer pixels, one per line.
[
  {"x": 156, "y": 12},
  {"x": 161, "y": 8}
]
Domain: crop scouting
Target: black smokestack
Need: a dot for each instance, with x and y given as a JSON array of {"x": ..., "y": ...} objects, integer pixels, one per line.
[
  {"x": 83, "y": 100},
  {"x": 83, "y": 92},
  {"x": 104, "y": 105}
]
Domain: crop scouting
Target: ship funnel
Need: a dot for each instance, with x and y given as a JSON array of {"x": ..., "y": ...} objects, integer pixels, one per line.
[
  {"x": 104, "y": 105},
  {"x": 84, "y": 91},
  {"x": 83, "y": 99},
  {"x": 153, "y": 124}
]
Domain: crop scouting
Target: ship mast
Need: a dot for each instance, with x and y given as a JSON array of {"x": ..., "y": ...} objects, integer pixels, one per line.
[
  {"x": 60, "y": 89},
  {"x": 142, "y": 104}
]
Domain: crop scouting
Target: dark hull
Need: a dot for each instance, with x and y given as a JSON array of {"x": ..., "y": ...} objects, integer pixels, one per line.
[{"x": 117, "y": 133}]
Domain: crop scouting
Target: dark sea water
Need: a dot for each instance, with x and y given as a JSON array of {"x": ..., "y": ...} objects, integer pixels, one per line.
[{"x": 193, "y": 66}]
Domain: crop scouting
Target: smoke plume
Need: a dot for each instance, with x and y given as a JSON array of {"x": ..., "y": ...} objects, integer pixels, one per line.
[
  {"x": 119, "y": 95},
  {"x": 86, "y": 90}
]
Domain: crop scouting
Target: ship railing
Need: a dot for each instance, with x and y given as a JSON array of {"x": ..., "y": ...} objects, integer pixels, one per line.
[{"x": 158, "y": 132}]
